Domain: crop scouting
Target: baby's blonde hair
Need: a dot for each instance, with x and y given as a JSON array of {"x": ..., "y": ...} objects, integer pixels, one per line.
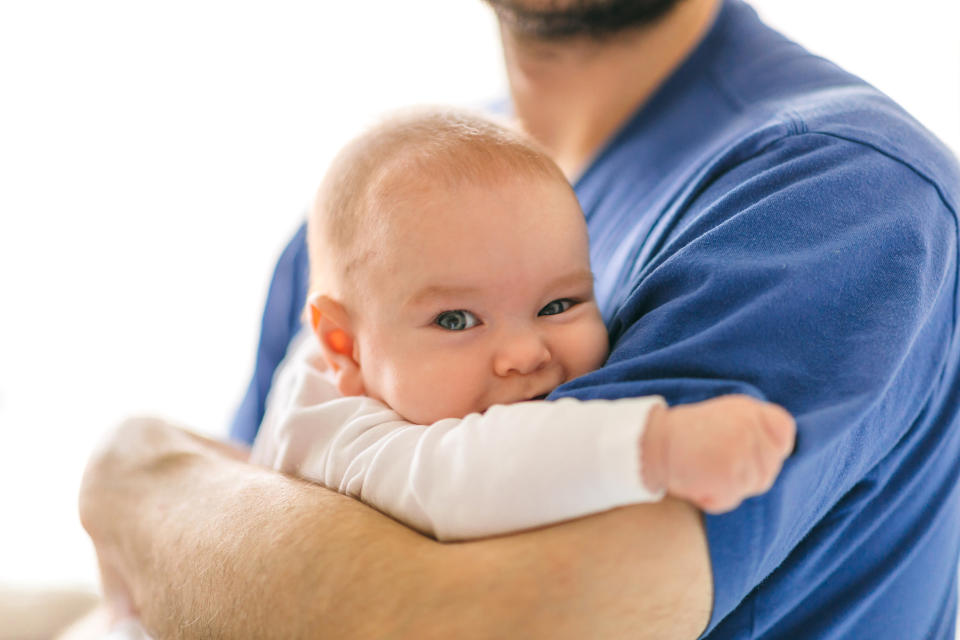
[{"x": 426, "y": 147}]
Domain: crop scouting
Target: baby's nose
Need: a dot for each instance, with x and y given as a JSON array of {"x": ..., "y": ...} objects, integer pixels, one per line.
[{"x": 521, "y": 352}]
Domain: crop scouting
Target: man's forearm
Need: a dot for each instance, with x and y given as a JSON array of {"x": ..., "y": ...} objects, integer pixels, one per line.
[{"x": 213, "y": 547}]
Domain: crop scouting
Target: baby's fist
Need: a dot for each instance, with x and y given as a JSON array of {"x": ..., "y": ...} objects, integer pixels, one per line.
[{"x": 718, "y": 452}]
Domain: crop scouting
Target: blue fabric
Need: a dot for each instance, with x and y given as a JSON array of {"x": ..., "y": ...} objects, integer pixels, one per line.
[
  {"x": 768, "y": 224},
  {"x": 281, "y": 322}
]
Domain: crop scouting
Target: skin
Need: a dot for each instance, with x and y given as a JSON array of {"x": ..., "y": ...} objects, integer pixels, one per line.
[
  {"x": 716, "y": 453},
  {"x": 208, "y": 546},
  {"x": 573, "y": 94},
  {"x": 507, "y": 343}
]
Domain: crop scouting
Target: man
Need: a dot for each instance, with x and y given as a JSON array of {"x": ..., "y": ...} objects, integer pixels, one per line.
[{"x": 762, "y": 223}]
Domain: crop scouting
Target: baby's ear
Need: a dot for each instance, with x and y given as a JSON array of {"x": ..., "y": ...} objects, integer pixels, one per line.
[{"x": 331, "y": 325}]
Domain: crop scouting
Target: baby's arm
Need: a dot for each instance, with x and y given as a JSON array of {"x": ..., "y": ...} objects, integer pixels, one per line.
[
  {"x": 526, "y": 465},
  {"x": 512, "y": 468}
]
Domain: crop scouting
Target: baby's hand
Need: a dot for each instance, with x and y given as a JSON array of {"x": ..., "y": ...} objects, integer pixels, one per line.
[{"x": 718, "y": 452}]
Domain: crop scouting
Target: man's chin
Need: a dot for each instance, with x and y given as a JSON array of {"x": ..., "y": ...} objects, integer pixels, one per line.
[{"x": 577, "y": 18}]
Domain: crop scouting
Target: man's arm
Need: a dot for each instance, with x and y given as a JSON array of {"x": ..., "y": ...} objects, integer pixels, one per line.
[{"x": 300, "y": 561}]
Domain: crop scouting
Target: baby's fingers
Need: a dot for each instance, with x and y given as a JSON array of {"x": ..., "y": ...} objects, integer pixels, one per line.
[
  {"x": 716, "y": 505},
  {"x": 780, "y": 427},
  {"x": 773, "y": 443},
  {"x": 723, "y": 486}
]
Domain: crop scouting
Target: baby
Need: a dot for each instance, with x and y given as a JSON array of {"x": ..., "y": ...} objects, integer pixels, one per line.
[{"x": 450, "y": 293}]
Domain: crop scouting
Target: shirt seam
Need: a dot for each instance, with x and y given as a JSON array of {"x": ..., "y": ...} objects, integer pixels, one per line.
[{"x": 799, "y": 128}]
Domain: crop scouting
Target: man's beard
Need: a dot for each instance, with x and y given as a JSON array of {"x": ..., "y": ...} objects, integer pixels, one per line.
[{"x": 592, "y": 18}]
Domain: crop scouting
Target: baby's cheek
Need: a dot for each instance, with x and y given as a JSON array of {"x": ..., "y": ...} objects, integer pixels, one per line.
[
  {"x": 592, "y": 349},
  {"x": 405, "y": 396},
  {"x": 452, "y": 394},
  {"x": 418, "y": 396}
]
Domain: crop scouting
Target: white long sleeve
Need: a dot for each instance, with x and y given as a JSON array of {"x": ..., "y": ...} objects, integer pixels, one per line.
[{"x": 511, "y": 468}]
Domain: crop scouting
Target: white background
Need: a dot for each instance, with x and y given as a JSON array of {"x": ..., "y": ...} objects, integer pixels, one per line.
[{"x": 155, "y": 157}]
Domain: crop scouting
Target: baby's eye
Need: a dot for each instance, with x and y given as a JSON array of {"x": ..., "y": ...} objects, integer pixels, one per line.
[
  {"x": 556, "y": 306},
  {"x": 458, "y": 320}
]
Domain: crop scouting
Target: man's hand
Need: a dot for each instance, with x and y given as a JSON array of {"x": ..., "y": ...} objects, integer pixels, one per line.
[
  {"x": 109, "y": 486},
  {"x": 717, "y": 453},
  {"x": 108, "y": 481}
]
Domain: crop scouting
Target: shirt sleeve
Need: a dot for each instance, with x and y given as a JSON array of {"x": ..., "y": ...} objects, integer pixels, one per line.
[
  {"x": 280, "y": 323},
  {"x": 820, "y": 275},
  {"x": 511, "y": 468}
]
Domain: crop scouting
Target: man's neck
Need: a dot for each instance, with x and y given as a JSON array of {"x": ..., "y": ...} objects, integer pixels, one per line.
[{"x": 572, "y": 95}]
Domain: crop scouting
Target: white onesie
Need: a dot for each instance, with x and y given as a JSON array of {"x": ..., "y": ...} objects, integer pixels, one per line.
[{"x": 511, "y": 468}]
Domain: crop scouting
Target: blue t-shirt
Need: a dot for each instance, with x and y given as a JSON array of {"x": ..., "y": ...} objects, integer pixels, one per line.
[{"x": 769, "y": 224}]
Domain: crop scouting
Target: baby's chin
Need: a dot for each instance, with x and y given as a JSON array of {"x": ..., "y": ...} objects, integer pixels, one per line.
[
  {"x": 429, "y": 416},
  {"x": 430, "y": 412}
]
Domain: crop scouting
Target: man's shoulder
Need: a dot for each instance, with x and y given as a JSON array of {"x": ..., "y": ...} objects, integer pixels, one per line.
[
  {"x": 771, "y": 87},
  {"x": 824, "y": 147},
  {"x": 839, "y": 110}
]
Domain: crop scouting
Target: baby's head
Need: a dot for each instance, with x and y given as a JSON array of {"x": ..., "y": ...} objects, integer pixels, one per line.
[{"x": 449, "y": 268}]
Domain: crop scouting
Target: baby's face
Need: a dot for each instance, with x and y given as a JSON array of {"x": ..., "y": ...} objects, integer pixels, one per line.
[{"x": 484, "y": 296}]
